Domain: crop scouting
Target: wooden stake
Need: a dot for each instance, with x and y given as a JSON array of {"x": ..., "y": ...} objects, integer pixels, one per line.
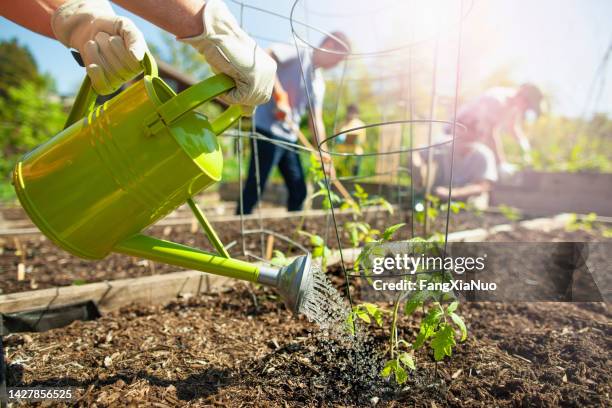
[
  {"x": 269, "y": 246},
  {"x": 21, "y": 271}
]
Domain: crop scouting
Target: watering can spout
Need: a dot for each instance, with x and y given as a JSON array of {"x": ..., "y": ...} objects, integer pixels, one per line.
[{"x": 293, "y": 282}]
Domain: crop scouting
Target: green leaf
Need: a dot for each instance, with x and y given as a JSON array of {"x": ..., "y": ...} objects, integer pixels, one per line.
[
  {"x": 279, "y": 258},
  {"x": 428, "y": 327},
  {"x": 388, "y": 234},
  {"x": 443, "y": 342},
  {"x": 412, "y": 305},
  {"x": 375, "y": 312},
  {"x": 386, "y": 205},
  {"x": 316, "y": 240},
  {"x": 461, "y": 324},
  {"x": 401, "y": 376},
  {"x": 363, "y": 315},
  {"x": 388, "y": 368},
  {"x": 452, "y": 307},
  {"x": 406, "y": 359}
]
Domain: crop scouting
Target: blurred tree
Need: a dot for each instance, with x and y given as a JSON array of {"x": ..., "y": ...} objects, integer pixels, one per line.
[
  {"x": 573, "y": 145},
  {"x": 17, "y": 65},
  {"x": 30, "y": 113}
]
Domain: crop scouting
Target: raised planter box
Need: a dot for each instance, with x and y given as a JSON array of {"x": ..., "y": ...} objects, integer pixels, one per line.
[{"x": 545, "y": 193}]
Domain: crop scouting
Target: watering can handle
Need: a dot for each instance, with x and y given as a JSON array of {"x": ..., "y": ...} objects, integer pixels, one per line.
[
  {"x": 86, "y": 98},
  {"x": 198, "y": 94}
]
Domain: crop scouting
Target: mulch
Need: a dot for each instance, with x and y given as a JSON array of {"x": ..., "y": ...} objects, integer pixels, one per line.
[{"x": 241, "y": 348}]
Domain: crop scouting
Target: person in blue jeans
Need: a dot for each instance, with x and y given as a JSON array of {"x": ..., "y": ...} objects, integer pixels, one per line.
[{"x": 298, "y": 78}]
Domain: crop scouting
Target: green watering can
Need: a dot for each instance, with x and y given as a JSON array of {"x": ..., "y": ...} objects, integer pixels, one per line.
[{"x": 119, "y": 167}]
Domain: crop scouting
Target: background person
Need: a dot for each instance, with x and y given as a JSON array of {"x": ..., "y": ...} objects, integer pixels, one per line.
[
  {"x": 298, "y": 78},
  {"x": 498, "y": 111},
  {"x": 474, "y": 171},
  {"x": 112, "y": 46},
  {"x": 351, "y": 141}
]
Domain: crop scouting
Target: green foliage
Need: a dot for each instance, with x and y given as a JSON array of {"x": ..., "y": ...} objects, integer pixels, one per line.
[
  {"x": 366, "y": 312},
  {"x": 510, "y": 213},
  {"x": 571, "y": 145},
  {"x": 436, "y": 328},
  {"x": 279, "y": 259},
  {"x": 443, "y": 342},
  {"x": 374, "y": 248},
  {"x": 585, "y": 223},
  {"x": 319, "y": 249},
  {"x": 455, "y": 207},
  {"x": 397, "y": 367},
  {"x": 433, "y": 207},
  {"x": 30, "y": 113},
  {"x": 316, "y": 174},
  {"x": 17, "y": 66},
  {"x": 359, "y": 231}
]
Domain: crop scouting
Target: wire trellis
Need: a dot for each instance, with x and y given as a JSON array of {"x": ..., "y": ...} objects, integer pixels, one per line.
[{"x": 325, "y": 145}]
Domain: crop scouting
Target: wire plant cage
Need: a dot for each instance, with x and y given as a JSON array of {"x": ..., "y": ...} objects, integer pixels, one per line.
[{"x": 411, "y": 117}]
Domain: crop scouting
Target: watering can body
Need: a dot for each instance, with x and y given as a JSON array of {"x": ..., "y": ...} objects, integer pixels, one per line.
[{"x": 120, "y": 167}]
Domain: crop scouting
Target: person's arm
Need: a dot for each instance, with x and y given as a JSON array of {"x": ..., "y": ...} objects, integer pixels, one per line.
[
  {"x": 463, "y": 192},
  {"x": 35, "y": 15},
  {"x": 498, "y": 146},
  {"x": 182, "y": 18},
  {"x": 111, "y": 46},
  {"x": 519, "y": 135},
  {"x": 279, "y": 95}
]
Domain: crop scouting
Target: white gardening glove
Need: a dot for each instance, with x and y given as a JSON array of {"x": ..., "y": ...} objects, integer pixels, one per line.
[
  {"x": 229, "y": 50},
  {"x": 111, "y": 46}
]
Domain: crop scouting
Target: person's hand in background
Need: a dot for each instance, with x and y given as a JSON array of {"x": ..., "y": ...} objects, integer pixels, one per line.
[
  {"x": 283, "y": 107},
  {"x": 328, "y": 165},
  {"x": 111, "y": 46},
  {"x": 228, "y": 49}
]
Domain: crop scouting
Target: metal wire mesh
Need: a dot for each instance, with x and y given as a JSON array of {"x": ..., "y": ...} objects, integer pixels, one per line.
[{"x": 403, "y": 55}]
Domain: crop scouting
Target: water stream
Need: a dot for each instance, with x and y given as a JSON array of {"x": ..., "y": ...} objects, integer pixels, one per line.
[{"x": 324, "y": 305}]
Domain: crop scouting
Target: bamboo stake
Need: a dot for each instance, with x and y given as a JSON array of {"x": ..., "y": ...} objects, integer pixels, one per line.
[{"x": 269, "y": 246}]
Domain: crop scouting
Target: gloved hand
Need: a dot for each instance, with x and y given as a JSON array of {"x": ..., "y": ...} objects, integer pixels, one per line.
[
  {"x": 111, "y": 46},
  {"x": 228, "y": 49}
]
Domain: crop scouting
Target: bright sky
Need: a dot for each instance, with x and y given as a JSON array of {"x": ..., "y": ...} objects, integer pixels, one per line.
[{"x": 557, "y": 44}]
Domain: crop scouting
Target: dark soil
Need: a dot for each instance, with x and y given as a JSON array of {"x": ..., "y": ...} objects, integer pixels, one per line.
[
  {"x": 230, "y": 350},
  {"x": 46, "y": 265}
]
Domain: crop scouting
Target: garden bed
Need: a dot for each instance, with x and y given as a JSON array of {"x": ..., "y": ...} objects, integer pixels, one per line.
[
  {"x": 45, "y": 265},
  {"x": 242, "y": 348}
]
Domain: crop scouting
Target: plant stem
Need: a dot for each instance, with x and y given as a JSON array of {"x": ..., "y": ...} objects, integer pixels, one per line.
[{"x": 393, "y": 337}]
